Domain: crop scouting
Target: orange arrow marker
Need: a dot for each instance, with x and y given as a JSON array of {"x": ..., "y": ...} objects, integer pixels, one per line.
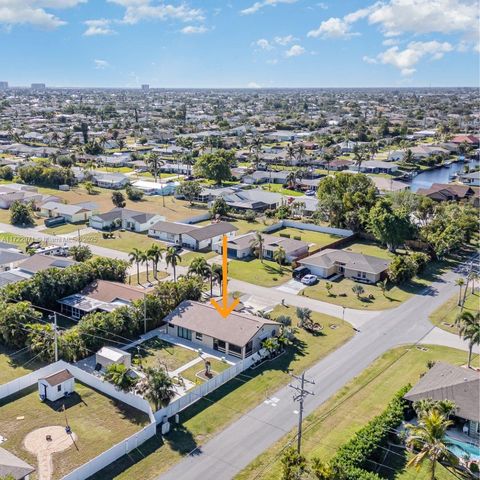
[{"x": 225, "y": 310}]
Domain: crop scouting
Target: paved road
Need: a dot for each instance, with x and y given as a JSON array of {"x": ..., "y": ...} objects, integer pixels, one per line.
[{"x": 236, "y": 446}]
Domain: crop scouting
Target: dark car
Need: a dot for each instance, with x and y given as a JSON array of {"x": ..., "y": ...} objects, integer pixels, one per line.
[{"x": 300, "y": 272}]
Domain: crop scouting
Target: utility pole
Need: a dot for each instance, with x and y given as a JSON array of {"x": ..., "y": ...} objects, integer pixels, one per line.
[
  {"x": 300, "y": 397},
  {"x": 144, "y": 312},
  {"x": 55, "y": 334}
]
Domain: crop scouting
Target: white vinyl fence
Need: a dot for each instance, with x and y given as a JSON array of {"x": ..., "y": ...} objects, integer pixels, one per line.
[
  {"x": 341, "y": 232},
  {"x": 118, "y": 450},
  {"x": 202, "y": 390}
]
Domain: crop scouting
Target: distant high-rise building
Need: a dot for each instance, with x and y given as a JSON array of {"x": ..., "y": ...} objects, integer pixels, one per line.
[
  {"x": 3, "y": 85},
  {"x": 145, "y": 87},
  {"x": 37, "y": 86}
]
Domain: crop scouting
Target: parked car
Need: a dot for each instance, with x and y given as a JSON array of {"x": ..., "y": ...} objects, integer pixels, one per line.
[
  {"x": 309, "y": 279},
  {"x": 310, "y": 193},
  {"x": 300, "y": 272}
]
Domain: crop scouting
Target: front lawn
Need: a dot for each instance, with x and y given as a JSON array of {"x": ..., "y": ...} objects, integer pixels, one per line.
[
  {"x": 65, "y": 228},
  {"x": 155, "y": 352},
  {"x": 266, "y": 274},
  {"x": 99, "y": 422},
  {"x": 318, "y": 239},
  {"x": 19, "y": 241},
  {"x": 133, "y": 279},
  {"x": 124, "y": 241},
  {"x": 226, "y": 404},
  {"x": 278, "y": 188},
  {"x": 445, "y": 315},
  {"x": 331, "y": 425},
  {"x": 189, "y": 256}
]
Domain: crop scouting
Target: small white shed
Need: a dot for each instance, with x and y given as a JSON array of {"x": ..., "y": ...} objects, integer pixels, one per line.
[
  {"x": 56, "y": 385},
  {"x": 108, "y": 355}
]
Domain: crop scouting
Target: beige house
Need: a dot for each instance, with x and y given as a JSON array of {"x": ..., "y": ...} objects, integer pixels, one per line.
[
  {"x": 239, "y": 335},
  {"x": 358, "y": 267}
]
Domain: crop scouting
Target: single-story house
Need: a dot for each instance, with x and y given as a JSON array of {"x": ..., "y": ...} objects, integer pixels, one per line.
[
  {"x": 110, "y": 180},
  {"x": 10, "y": 259},
  {"x": 209, "y": 236},
  {"x": 472, "y": 179},
  {"x": 99, "y": 296},
  {"x": 13, "y": 467},
  {"x": 260, "y": 176},
  {"x": 256, "y": 199},
  {"x": 169, "y": 231},
  {"x": 108, "y": 355},
  {"x": 359, "y": 267},
  {"x": 158, "y": 188},
  {"x": 337, "y": 165},
  {"x": 13, "y": 192},
  {"x": 472, "y": 140},
  {"x": 241, "y": 247},
  {"x": 460, "y": 385},
  {"x": 240, "y": 335},
  {"x": 389, "y": 184},
  {"x": 447, "y": 192},
  {"x": 76, "y": 213},
  {"x": 126, "y": 219},
  {"x": 56, "y": 386},
  {"x": 38, "y": 262},
  {"x": 376, "y": 166}
]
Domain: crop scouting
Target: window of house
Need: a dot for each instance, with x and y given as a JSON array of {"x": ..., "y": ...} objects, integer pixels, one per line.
[
  {"x": 234, "y": 350},
  {"x": 59, "y": 388},
  {"x": 184, "y": 333},
  {"x": 199, "y": 336}
]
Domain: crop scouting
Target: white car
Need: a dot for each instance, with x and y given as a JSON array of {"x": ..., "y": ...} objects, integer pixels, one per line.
[{"x": 309, "y": 279}]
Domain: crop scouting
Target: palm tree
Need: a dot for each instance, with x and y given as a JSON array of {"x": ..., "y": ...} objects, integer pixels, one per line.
[
  {"x": 279, "y": 255},
  {"x": 290, "y": 153},
  {"x": 119, "y": 375},
  {"x": 328, "y": 159},
  {"x": 460, "y": 282},
  {"x": 145, "y": 259},
  {"x": 428, "y": 439},
  {"x": 291, "y": 179},
  {"x": 155, "y": 254},
  {"x": 172, "y": 258},
  {"x": 159, "y": 387},
  {"x": 136, "y": 257},
  {"x": 408, "y": 156},
  {"x": 199, "y": 267},
  {"x": 358, "y": 290},
  {"x": 304, "y": 315},
  {"x": 257, "y": 245},
  {"x": 216, "y": 275},
  {"x": 300, "y": 152},
  {"x": 121, "y": 144},
  {"x": 474, "y": 277},
  {"x": 469, "y": 330},
  {"x": 154, "y": 163}
]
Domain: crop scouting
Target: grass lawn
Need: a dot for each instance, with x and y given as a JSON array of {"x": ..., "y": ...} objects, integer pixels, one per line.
[
  {"x": 445, "y": 315},
  {"x": 14, "y": 365},
  {"x": 369, "y": 248},
  {"x": 244, "y": 226},
  {"x": 123, "y": 241},
  {"x": 266, "y": 274},
  {"x": 358, "y": 402},
  {"x": 217, "y": 366},
  {"x": 155, "y": 351},
  {"x": 223, "y": 406},
  {"x": 18, "y": 240},
  {"x": 65, "y": 228},
  {"x": 98, "y": 421},
  {"x": 133, "y": 280},
  {"x": 278, "y": 188},
  {"x": 318, "y": 239},
  {"x": 189, "y": 256}
]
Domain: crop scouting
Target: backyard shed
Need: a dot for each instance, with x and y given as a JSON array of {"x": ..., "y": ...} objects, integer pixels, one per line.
[
  {"x": 108, "y": 355},
  {"x": 56, "y": 385}
]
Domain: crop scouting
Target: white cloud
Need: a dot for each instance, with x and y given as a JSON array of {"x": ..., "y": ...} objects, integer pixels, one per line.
[
  {"x": 32, "y": 12},
  {"x": 138, "y": 10},
  {"x": 332, "y": 28},
  {"x": 295, "y": 51},
  {"x": 284, "y": 41},
  {"x": 390, "y": 42},
  {"x": 98, "y": 27},
  {"x": 193, "y": 30},
  {"x": 322, "y": 5},
  {"x": 406, "y": 60},
  {"x": 369, "y": 59},
  {"x": 257, "y": 6},
  {"x": 101, "y": 64},
  {"x": 253, "y": 85},
  {"x": 264, "y": 44}
]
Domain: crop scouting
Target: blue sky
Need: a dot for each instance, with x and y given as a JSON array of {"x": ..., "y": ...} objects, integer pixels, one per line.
[{"x": 239, "y": 43}]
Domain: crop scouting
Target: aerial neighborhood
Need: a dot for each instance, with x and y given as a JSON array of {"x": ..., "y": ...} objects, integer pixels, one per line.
[{"x": 174, "y": 265}]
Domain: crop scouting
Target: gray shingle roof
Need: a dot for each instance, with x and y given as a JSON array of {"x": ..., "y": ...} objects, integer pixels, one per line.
[
  {"x": 448, "y": 382},
  {"x": 13, "y": 466}
]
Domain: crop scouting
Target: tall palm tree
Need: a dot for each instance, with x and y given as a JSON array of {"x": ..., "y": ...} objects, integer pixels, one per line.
[
  {"x": 279, "y": 255},
  {"x": 460, "y": 282},
  {"x": 428, "y": 439},
  {"x": 172, "y": 258},
  {"x": 154, "y": 163},
  {"x": 474, "y": 276},
  {"x": 145, "y": 259},
  {"x": 159, "y": 387},
  {"x": 156, "y": 254},
  {"x": 300, "y": 152},
  {"x": 469, "y": 330},
  {"x": 199, "y": 267},
  {"x": 136, "y": 257},
  {"x": 216, "y": 276},
  {"x": 290, "y": 153},
  {"x": 257, "y": 245},
  {"x": 291, "y": 179}
]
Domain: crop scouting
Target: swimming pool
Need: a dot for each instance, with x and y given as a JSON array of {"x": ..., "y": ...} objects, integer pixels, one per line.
[{"x": 461, "y": 449}]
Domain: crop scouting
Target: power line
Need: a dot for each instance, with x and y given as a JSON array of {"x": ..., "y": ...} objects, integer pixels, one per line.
[{"x": 300, "y": 397}]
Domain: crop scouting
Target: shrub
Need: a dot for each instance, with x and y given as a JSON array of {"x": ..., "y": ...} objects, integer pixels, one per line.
[{"x": 133, "y": 193}]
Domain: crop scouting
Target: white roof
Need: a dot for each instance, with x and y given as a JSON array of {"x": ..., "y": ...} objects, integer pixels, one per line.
[{"x": 112, "y": 353}]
